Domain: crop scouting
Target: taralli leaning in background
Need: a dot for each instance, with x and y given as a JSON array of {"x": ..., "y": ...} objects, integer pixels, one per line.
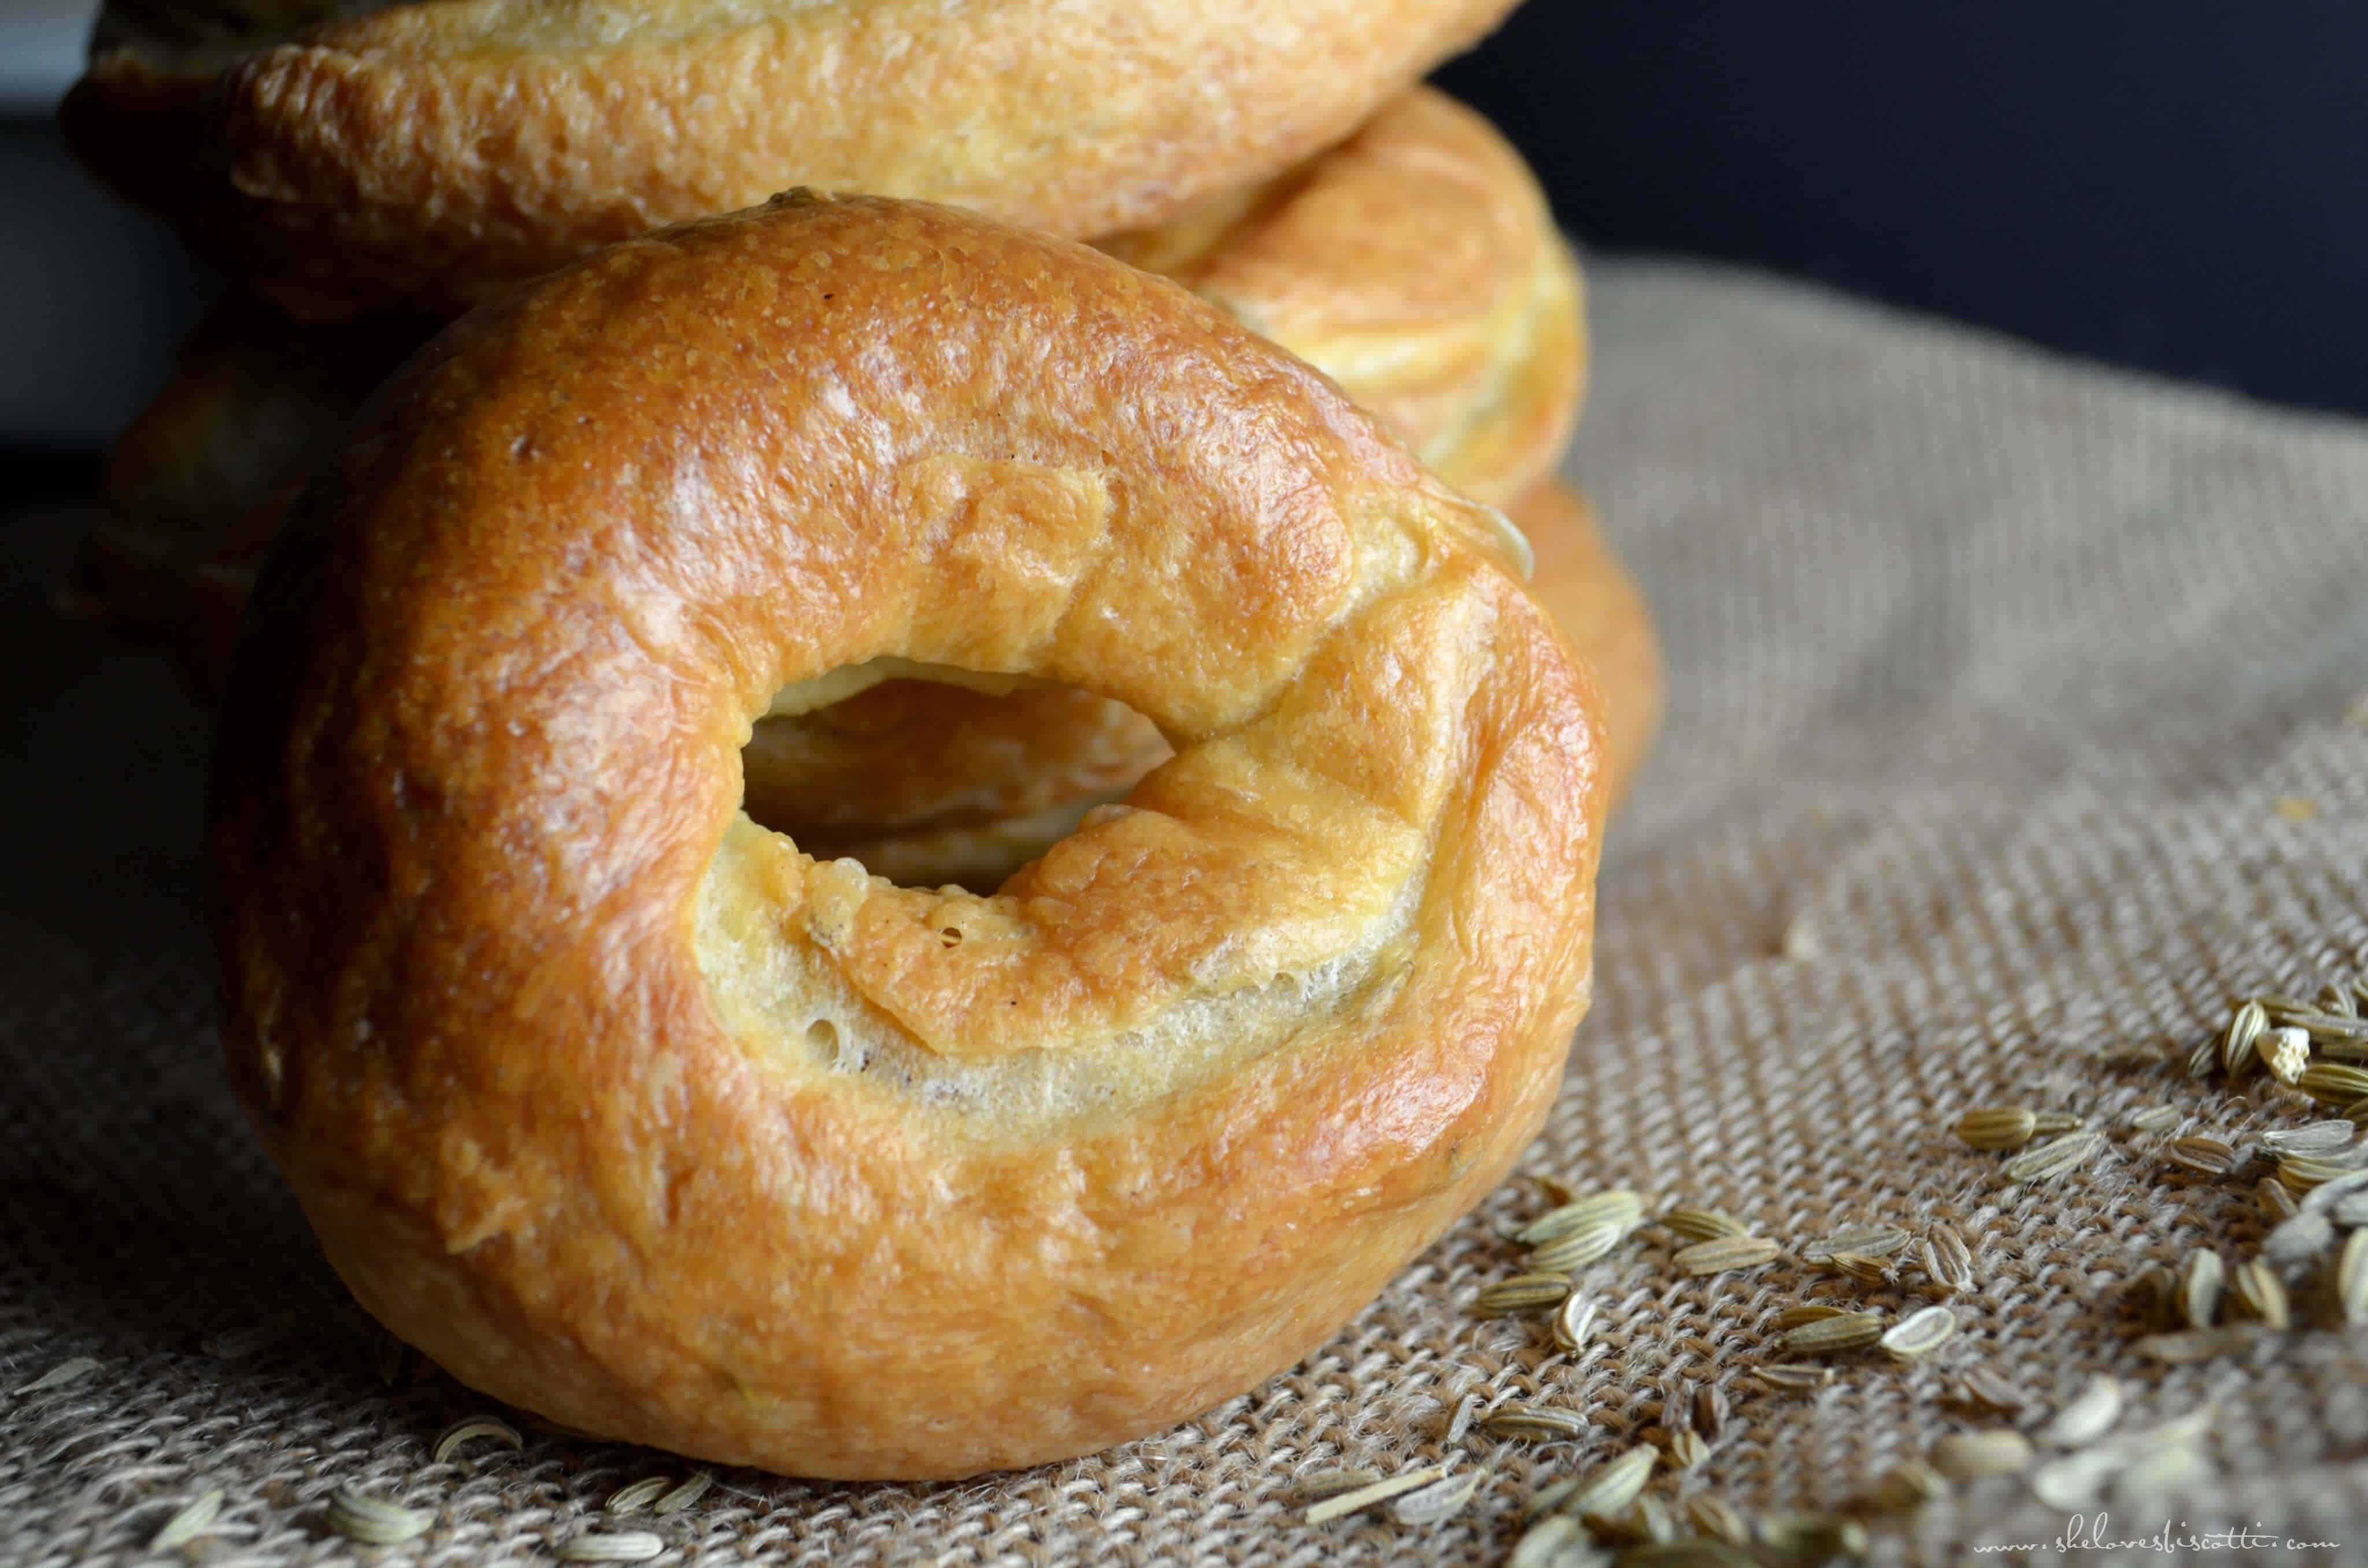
[
  {"x": 630, "y": 1113},
  {"x": 348, "y": 155}
]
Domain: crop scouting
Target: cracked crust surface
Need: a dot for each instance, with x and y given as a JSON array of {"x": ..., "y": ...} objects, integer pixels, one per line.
[{"x": 627, "y": 1112}]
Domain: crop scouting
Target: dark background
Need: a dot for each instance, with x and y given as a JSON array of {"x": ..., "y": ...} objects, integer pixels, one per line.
[{"x": 2176, "y": 185}]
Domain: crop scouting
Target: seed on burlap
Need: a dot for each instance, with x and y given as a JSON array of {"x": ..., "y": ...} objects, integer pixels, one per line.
[
  {"x": 1710, "y": 1411},
  {"x": 1866, "y": 1241},
  {"x": 1919, "y": 1334},
  {"x": 2188, "y": 1346},
  {"x": 1578, "y": 1249},
  {"x": 693, "y": 1488},
  {"x": 1810, "y": 1311},
  {"x": 2286, "y": 1054},
  {"x": 1687, "y": 1448},
  {"x": 2053, "y": 1158},
  {"x": 1523, "y": 1293},
  {"x": 1610, "y": 1487},
  {"x": 191, "y": 1522},
  {"x": 1617, "y": 1206},
  {"x": 73, "y": 1369},
  {"x": 476, "y": 1428},
  {"x": 1573, "y": 1321},
  {"x": 1997, "y": 1127},
  {"x": 2198, "y": 1288},
  {"x": 2239, "y": 1045},
  {"x": 2255, "y": 1290},
  {"x": 1555, "y": 1542},
  {"x": 1643, "y": 1522},
  {"x": 2277, "y": 1202},
  {"x": 2352, "y": 1280},
  {"x": 2203, "y": 1058},
  {"x": 2152, "y": 1295},
  {"x": 2209, "y": 1156},
  {"x": 2074, "y": 1481},
  {"x": 1985, "y": 1389},
  {"x": 1342, "y": 1505},
  {"x": 1715, "y": 1517},
  {"x": 1459, "y": 1422},
  {"x": 1812, "y": 1537},
  {"x": 2154, "y": 1119},
  {"x": 2324, "y": 1197},
  {"x": 1533, "y": 1423},
  {"x": 637, "y": 1495},
  {"x": 611, "y": 1546},
  {"x": 2333, "y": 1083},
  {"x": 1947, "y": 1261},
  {"x": 2310, "y": 1138},
  {"x": 1794, "y": 1380},
  {"x": 1333, "y": 1483},
  {"x": 1703, "y": 1224},
  {"x": 2326, "y": 1028},
  {"x": 2089, "y": 1417},
  {"x": 1829, "y": 1336},
  {"x": 1904, "y": 1488},
  {"x": 1550, "y": 1497},
  {"x": 1727, "y": 1252},
  {"x": 1857, "y": 1266},
  {"x": 1970, "y": 1456},
  {"x": 2303, "y": 1173},
  {"x": 1440, "y": 1500},
  {"x": 2048, "y": 1123},
  {"x": 374, "y": 1520}
]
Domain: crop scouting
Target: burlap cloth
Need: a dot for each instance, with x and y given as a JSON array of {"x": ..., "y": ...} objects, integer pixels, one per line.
[{"x": 2007, "y": 722}]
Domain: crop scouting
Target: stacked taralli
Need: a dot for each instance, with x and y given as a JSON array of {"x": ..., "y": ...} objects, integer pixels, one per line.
[{"x": 963, "y": 557}]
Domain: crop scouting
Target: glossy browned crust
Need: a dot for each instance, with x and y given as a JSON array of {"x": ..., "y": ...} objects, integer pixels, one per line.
[
  {"x": 1418, "y": 266},
  {"x": 928, "y": 784},
  {"x": 430, "y": 153},
  {"x": 1598, "y": 602},
  {"x": 626, "y": 1112}
]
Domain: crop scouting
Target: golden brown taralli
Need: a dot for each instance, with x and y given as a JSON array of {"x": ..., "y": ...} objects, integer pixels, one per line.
[
  {"x": 1582, "y": 583},
  {"x": 927, "y": 783},
  {"x": 1417, "y": 264},
  {"x": 344, "y": 154},
  {"x": 627, "y": 1112}
]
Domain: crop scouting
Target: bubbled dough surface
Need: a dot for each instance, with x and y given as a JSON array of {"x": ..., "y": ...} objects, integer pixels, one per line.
[{"x": 497, "y": 951}]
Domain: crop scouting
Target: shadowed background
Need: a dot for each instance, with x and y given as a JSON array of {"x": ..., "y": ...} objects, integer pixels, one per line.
[{"x": 2177, "y": 185}]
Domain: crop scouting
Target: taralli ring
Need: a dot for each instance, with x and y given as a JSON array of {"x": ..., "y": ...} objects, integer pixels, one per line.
[
  {"x": 348, "y": 154},
  {"x": 628, "y": 1112}
]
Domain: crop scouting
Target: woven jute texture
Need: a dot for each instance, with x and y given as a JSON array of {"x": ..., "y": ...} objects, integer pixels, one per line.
[{"x": 2008, "y": 723}]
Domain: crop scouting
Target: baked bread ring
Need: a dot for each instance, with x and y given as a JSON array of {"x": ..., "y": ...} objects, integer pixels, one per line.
[
  {"x": 928, "y": 784},
  {"x": 627, "y": 1112},
  {"x": 1417, "y": 264},
  {"x": 344, "y": 154}
]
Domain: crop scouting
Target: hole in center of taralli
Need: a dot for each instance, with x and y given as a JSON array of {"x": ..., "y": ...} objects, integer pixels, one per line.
[{"x": 932, "y": 784}]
